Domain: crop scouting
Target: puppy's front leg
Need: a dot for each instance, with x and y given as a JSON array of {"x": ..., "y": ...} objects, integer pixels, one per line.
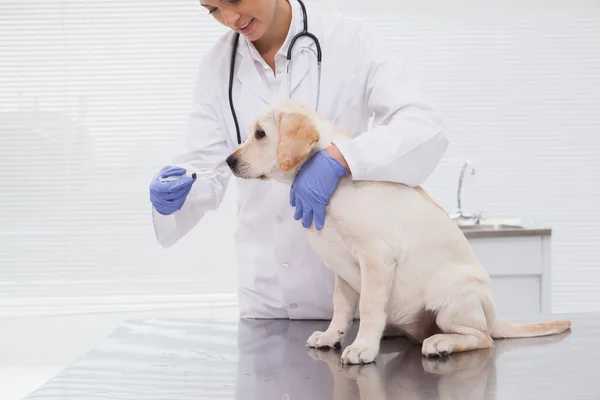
[
  {"x": 374, "y": 295},
  {"x": 345, "y": 301}
]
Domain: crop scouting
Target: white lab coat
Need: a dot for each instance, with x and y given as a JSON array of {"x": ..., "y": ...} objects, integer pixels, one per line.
[{"x": 279, "y": 275}]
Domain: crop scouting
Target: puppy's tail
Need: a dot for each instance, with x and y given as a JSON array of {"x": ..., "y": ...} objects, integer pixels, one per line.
[{"x": 505, "y": 330}]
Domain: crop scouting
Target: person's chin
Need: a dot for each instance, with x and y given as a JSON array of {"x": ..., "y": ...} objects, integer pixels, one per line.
[{"x": 255, "y": 33}]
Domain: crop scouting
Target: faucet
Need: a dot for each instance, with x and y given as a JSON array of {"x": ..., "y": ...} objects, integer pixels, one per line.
[{"x": 460, "y": 214}]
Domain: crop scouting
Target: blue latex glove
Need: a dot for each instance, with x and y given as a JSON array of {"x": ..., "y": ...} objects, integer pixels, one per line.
[
  {"x": 313, "y": 186},
  {"x": 168, "y": 197}
]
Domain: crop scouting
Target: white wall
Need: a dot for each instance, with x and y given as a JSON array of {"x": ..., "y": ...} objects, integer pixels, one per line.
[{"x": 93, "y": 96}]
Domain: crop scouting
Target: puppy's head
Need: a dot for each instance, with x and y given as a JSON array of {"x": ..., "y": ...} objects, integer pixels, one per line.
[{"x": 282, "y": 137}]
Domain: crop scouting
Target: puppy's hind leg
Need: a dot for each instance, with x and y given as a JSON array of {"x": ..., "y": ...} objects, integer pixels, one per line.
[
  {"x": 345, "y": 302},
  {"x": 376, "y": 282},
  {"x": 465, "y": 326}
]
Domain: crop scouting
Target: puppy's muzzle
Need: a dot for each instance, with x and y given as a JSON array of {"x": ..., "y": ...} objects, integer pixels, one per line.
[{"x": 232, "y": 161}]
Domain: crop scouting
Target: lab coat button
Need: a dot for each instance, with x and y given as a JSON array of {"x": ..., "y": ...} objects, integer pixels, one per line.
[
  {"x": 293, "y": 306},
  {"x": 285, "y": 396},
  {"x": 278, "y": 219},
  {"x": 286, "y": 265}
]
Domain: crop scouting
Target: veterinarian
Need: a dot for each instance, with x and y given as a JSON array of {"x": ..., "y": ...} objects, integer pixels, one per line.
[{"x": 355, "y": 81}]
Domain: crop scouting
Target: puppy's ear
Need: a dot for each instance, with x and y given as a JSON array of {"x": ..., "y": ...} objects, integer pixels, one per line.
[{"x": 297, "y": 137}]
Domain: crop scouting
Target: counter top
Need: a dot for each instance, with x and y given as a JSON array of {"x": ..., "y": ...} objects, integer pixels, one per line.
[
  {"x": 267, "y": 359},
  {"x": 474, "y": 233}
]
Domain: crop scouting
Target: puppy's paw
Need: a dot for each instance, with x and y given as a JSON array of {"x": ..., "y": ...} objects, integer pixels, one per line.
[
  {"x": 360, "y": 353},
  {"x": 327, "y": 339},
  {"x": 437, "y": 345}
]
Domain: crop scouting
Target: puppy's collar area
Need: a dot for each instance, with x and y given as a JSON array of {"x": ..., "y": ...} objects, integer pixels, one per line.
[{"x": 309, "y": 155}]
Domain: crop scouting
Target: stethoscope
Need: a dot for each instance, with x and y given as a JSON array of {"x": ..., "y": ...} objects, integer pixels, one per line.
[{"x": 289, "y": 58}]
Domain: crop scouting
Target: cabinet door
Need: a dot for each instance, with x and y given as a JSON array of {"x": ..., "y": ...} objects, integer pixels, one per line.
[
  {"x": 516, "y": 266},
  {"x": 517, "y": 296},
  {"x": 509, "y": 256}
]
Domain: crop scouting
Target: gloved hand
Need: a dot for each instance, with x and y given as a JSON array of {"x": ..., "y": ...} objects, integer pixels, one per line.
[
  {"x": 313, "y": 186},
  {"x": 168, "y": 197}
]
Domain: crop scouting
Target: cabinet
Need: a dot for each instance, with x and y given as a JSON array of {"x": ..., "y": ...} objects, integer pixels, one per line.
[{"x": 519, "y": 265}]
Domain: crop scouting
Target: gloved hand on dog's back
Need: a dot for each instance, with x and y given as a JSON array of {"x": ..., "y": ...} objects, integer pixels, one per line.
[
  {"x": 313, "y": 186},
  {"x": 169, "y": 196}
]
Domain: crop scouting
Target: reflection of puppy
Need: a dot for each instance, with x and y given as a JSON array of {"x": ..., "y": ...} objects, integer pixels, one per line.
[
  {"x": 407, "y": 375},
  {"x": 464, "y": 376},
  {"x": 396, "y": 254}
]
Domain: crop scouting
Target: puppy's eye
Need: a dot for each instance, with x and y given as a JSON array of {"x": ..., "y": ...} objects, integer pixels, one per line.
[{"x": 260, "y": 134}]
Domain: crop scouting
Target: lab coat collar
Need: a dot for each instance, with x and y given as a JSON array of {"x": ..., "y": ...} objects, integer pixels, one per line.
[
  {"x": 248, "y": 74},
  {"x": 295, "y": 27}
]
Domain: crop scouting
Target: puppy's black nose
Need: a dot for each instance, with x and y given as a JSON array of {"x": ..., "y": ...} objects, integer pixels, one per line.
[{"x": 231, "y": 161}]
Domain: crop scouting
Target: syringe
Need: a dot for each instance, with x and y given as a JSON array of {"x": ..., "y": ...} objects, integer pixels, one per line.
[{"x": 173, "y": 178}]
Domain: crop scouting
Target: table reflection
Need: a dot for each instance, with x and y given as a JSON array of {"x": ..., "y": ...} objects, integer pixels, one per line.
[{"x": 274, "y": 363}]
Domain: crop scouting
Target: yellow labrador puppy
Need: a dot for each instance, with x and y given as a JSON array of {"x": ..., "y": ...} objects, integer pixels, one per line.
[{"x": 396, "y": 254}]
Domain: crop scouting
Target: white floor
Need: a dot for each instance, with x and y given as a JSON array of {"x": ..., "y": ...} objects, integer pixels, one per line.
[{"x": 33, "y": 350}]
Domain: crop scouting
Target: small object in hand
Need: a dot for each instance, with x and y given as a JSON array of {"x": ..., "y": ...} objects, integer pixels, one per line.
[{"x": 175, "y": 177}]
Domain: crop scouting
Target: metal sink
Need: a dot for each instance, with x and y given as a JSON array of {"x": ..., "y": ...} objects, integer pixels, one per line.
[
  {"x": 472, "y": 222},
  {"x": 489, "y": 224},
  {"x": 488, "y": 227}
]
